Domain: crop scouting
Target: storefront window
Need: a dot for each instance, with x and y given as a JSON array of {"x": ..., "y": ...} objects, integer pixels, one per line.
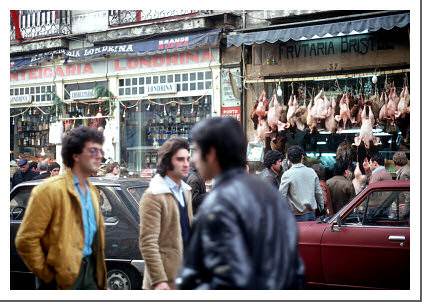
[
  {"x": 193, "y": 81},
  {"x": 39, "y": 93},
  {"x": 29, "y": 134},
  {"x": 143, "y": 132}
]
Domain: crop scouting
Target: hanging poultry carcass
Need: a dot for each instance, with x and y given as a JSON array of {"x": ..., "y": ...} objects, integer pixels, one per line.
[
  {"x": 330, "y": 121},
  {"x": 344, "y": 111},
  {"x": 274, "y": 115},
  {"x": 300, "y": 117},
  {"x": 383, "y": 110},
  {"x": 310, "y": 119},
  {"x": 366, "y": 131},
  {"x": 262, "y": 108},
  {"x": 319, "y": 110},
  {"x": 262, "y": 132},
  {"x": 292, "y": 109},
  {"x": 392, "y": 104},
  {"x": 359, "y": 179},
  {"x": 403, "y": 105},
  {"x": 376, "y": 106}
]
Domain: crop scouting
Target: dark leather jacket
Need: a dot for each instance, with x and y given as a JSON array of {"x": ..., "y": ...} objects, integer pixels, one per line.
[
  {"x": 243, "y": 237},
  {"x": 271, "y": 177}
]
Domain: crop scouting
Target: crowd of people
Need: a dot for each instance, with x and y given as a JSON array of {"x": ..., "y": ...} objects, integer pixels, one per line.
[{"x": 242, "y": 234}]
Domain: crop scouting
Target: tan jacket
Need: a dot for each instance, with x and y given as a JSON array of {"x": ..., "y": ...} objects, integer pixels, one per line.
[
  {"x": 160, "y": 236},
  {"x": 403, "y": 173},
  {"x": 380, "y": 175},
  {"x": 50, "y": 240}
]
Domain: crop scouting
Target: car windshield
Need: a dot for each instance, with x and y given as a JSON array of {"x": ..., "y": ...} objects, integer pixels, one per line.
[{"x": 331, "y": 219}]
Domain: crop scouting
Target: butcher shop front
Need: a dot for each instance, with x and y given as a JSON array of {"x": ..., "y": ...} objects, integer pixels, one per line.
[{"x": 315, "y": 86}]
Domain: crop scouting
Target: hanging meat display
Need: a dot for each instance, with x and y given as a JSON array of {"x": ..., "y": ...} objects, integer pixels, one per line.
[{"x": 339, "y": 111}]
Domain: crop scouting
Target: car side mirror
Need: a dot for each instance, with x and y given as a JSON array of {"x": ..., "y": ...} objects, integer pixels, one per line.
[{"x": 333, "y": 229}]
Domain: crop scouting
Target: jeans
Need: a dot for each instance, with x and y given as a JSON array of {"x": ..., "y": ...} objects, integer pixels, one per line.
[{"x": 306, "y": 217}]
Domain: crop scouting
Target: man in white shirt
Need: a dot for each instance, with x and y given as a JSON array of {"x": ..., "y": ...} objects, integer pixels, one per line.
[{"x": 166, "y": 215}]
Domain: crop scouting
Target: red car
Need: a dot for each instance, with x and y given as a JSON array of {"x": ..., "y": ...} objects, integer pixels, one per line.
[{"x": 366, "y": 245}]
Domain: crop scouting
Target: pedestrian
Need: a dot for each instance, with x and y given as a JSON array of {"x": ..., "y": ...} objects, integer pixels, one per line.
[
  {"x": 54, "y": 169},
  {"x": 300, "y": 185},
  {"x": 166, "y": 214},
  {"x": 341, "y": 187},
  {"x": 23, "y": 174},
  {"x": 113, "y": 170},
  {"x": 243, "y": 236},
  {"x": 400, "y": 162},
  {"x": 326, "y": 194},
  {"x": 43, "y": 168},
  {"x": 199, "y": 189},
  {"x": 272, "y": 163},
  {"x": 61, "y": 239},
  {"x": 33, "y": 166},
  {"x": 376, "y": 170}
]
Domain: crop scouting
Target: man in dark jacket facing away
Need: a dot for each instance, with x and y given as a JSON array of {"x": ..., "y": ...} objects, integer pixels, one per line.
[
  {"x": 199, "y": 189},
  {"x": 244, "y": 235},
  {"x": 272, "y": 163},
  {"x": 341, "y": 188}
]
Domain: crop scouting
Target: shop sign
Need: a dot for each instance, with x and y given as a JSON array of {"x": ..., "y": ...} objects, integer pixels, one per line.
[
  {"x": 82, "y": 94},
  {"x": 161, "y": 88},
  {"x": 231, "y": 87},
  {"x": 232, "y": 111},
  {"x": 117, "y": 66},
  {"x": 20, "y": 99}
]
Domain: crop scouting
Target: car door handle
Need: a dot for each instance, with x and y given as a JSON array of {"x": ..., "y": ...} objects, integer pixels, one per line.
[{"x": 396, "y": 238}]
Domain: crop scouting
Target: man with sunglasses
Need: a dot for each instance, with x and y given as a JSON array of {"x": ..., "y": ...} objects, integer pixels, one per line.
[{"x": 61, "y": 239}]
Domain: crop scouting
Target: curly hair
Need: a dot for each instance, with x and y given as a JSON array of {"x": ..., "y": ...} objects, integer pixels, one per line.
[
  {"x": 74, "y": 142},
  {"x": 271, "y": 157},
  {"x": 294, "y": 154},
  {"x": 166, "y": 152}
]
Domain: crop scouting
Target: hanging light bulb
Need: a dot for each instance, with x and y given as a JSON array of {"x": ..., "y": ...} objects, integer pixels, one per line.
[
  {"x": 42, "y": 118},
  {"x": 124, "y": 113},
  {"x": 165, "y": 113},
  {"x": 279, "y": 91},
  {"x": 178, "y": 109},
  {"x": 206, "y": 100},
  {"x": 51, "y": 119},
  {"x": 374, "y": 79},
  {"x": 191, "y": 112},
  {"x": 13, "y": 121},
  {"x": 23, "y": 118},
  {"x": 88, "y": 109},
  {"x": 70, "y": 108},
  {"x": 149, "y": 105},
  {"x": 29, "y": 113},
  {"x": 137, "y": 108}
]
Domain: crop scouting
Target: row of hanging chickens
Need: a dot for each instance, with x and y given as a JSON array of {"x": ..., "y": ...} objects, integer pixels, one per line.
[{"x": 332, "y": 115}]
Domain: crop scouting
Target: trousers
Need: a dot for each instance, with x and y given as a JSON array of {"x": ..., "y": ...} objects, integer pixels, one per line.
[{"x": 84, "y": 280}]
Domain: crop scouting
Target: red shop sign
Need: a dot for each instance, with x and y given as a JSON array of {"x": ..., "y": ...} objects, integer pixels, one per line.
[{"x": 232, "y": 111}]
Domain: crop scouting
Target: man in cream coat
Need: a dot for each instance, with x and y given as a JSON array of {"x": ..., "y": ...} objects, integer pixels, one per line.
[{"x": 166, "y": 215}]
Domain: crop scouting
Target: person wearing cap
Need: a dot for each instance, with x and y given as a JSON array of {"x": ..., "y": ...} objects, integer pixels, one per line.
[
  {"x": 43, "y": 167},
  {"x": 54, "y": 169},
  {"x": 23, "y": 174}
]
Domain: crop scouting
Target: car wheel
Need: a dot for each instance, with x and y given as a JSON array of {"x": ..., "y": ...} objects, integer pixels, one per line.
[{"x": 122, "y": 277}]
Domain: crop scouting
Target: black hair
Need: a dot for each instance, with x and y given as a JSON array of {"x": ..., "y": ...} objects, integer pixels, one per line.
[
  {"x": 74, "y": 142},
  {"x": 52, "y": 166},
  {"x": 166, "y": 152},
  {"x": 32, "y": 164},
  {"x": 294, "y": 154},
  {"x": 378, "y": 158},
  {"x": 226, "y": 136},
  {"x": 340, "y": 167},
  {"x": 271, "y": 157}
]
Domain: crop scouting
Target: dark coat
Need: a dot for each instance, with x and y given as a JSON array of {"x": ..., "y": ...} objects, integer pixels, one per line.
[
  {"x": 19, "y": 177},
  {"x": 342, "y": 191},
  {"x": 199, "y": 190},
  {"x": 269, "y": 176},
  {"x": 244, "y": 237},
  {"x": 42, "y": 175}
]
